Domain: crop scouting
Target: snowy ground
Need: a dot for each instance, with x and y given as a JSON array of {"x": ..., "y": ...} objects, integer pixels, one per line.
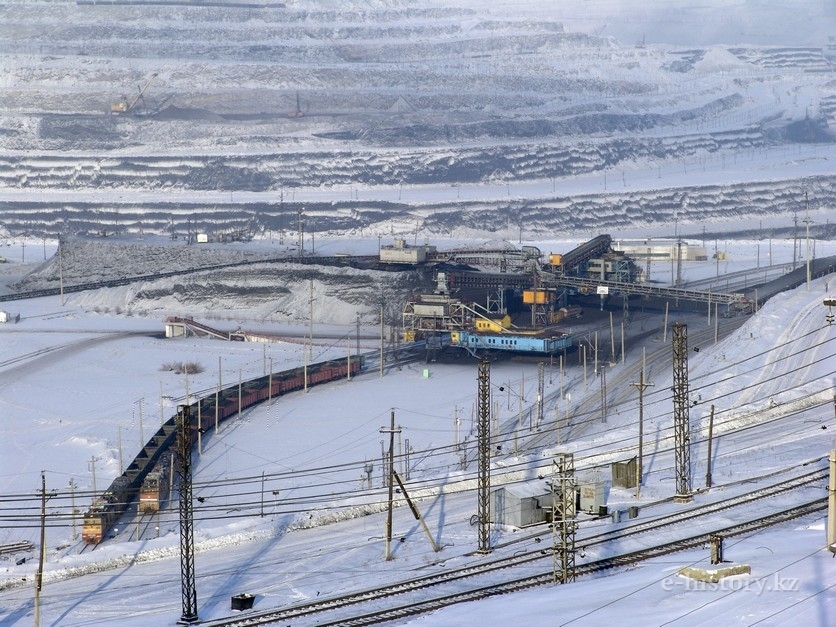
[
  {"x": 540, "y": 123},
  {"x": 278, "y": 534},
  {"x": 419, "y": 117}
]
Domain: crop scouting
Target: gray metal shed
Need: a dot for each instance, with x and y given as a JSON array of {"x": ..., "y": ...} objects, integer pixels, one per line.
[{"x": 520, "y": 505}]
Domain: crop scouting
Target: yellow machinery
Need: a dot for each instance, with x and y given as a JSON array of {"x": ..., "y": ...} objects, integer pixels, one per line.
[{"x": 123, "y": 106}]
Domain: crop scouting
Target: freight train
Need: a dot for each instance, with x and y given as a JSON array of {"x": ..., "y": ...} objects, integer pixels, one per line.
[{"x": 106, "y": 509}]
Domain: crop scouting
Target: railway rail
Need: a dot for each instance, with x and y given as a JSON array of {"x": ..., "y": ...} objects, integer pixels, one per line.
[
  {"x": 24, "y": 546},
  {"x": 318, "y": 612},
  {"x": 624, "y": 559}
]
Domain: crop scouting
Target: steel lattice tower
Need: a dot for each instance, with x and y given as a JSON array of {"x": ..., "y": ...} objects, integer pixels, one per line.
[
  {"x": 681, "y": 423},
  {"x": 484, "y": 436},
  {"x": 563, "y": 515},
  {"x": 540, "y": 394},
  {"x": 184, "y": 470}
]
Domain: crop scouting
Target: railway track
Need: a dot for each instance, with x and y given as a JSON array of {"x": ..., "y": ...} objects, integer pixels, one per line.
[
  {"x": 414, "y": 608},
  {"x": 141, "y": 524},
  {"x": 421, "y": 600},
  {"x": 24, "y": 546}
]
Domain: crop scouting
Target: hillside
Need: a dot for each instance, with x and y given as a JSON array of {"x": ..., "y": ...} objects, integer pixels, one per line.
[{"x": 410, "y": 117}]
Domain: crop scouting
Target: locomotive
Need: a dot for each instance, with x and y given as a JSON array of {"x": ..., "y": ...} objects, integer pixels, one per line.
[
  {"x": 154, "y": 490},
  {"x": 106, "y": 510}
]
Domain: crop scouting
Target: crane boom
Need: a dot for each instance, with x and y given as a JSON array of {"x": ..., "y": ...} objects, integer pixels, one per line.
[{"x": 123, "y": 106}]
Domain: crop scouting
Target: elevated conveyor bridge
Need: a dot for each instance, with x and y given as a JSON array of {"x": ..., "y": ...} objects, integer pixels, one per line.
[{"x": 591, "y": 286}]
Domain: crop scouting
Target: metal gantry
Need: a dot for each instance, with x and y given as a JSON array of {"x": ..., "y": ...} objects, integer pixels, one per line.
[
  {"x": 681, "y": 423},
  {"x": 563, "y": 517},
  {"x": 540, "y": 394},
  {"x": 484, "y": 437},
  {"x": 187, "y": 573}
]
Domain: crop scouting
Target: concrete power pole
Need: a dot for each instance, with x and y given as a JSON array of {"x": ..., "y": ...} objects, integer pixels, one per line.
[
  {"x": 681, "y": 426},
  {"x": 39, "y": 576},
  {"x": 641, "y": 385},
  {"x": 807, "y": 221},
  {"x": 831, "y": 504},
  {"x": 484, "y": 437},
  {"x": 390, "y": 481},
  {"x": 187, "y": 574}
]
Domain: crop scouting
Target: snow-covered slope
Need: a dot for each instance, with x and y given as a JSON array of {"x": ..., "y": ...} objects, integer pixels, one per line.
[{"x": 405, "y": 109}]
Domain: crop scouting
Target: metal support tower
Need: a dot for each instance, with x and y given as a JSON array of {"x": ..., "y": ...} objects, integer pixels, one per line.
[
  {"x": 495, "y": 302},
  {"x": 563, "y": 515},
  {"x": 540, "y": 394},
  {"x": 681, "y": 424},
  {"x": 484, "y": 438},
  {"x": 184, "y": 470}
]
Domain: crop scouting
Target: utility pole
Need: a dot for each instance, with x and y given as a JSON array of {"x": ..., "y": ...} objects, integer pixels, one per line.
[
  {"x": 831, "y": 504},
  {"x": 807, "y": 224},
  {"x": 218, "y": 395},
  {"x": 72, "y": 505},
  {"x": 603, "y": 393},
  {"x": 301, "y": 234},
  {"x": 678, "y": 264},
  {"x": 61, "y": 270},
  {"x": 40, "y": 574},
  {"x": 708, "y": 461},
  {"x": 681, "y": 426},
  {"x": 391, "y": 431},
  {"x": 641, "y": 385},
  {"x": 357, "y": 351},
  {"x": 93, "y": 460},
  {"x": 141, "y": 427},
  {"x": 381, "y": 340},
  {"x": 310, "y": 317},
  {"x": 794, "y": 240},
  {"x": 484, "y": 438}
]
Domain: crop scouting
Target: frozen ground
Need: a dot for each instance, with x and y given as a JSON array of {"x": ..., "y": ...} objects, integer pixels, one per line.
[
  {"x": 419, "y": 117},
  {"x": 79, "y": 389},
  {"x": 539, "y": 123}
]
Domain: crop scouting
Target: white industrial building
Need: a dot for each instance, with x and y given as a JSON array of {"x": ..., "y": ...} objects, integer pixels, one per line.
[
  {"x": 661, "y": 250},
  {"x": 401, "y": 252}
]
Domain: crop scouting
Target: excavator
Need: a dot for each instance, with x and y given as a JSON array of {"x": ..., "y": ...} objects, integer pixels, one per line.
[{"x": 123, "y": 106}]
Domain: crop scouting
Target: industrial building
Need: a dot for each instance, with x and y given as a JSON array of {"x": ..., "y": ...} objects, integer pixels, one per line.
[
  {"x": 526, "y": 280},
  {"x": 662, "y": 250},
  {"x": 401, "y": 252}
]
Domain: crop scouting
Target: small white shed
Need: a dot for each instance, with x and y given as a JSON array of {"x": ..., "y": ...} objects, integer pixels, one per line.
[{"x": 5, "y": 316}]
